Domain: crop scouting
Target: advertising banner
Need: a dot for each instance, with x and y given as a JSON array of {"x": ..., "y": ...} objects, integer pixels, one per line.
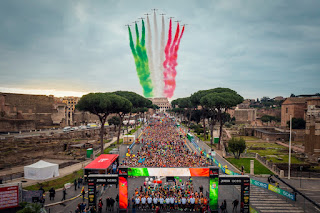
[
  {"x": 187, "y": 172},
  {"x": 123, "y": 193},
  {"x": 9, "y": 197},
  {"x": 274, "y": 189},
  {"x": 213, "y": 203}
]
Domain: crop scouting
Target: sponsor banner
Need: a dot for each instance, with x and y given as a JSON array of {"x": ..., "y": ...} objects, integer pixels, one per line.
[
  {"x": 274, "y": 189},
  {"x": 193, "y": 172},
  {"x": 213, "y": 194},
  {"x": 258, "y": 183},
  {"x": 123, "y": 193},
  {"x": 9, "y": 197},
  {"x": 282, "y": 192}
]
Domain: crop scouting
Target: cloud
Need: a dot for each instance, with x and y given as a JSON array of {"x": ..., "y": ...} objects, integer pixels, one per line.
[{"x": 255, "y": 47}]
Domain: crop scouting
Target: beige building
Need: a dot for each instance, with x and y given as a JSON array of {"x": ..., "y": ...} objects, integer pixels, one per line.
[
  {"x": 71, "y": 103},
  {"x": 162, "y": 103},
  {"x": 312, "y": 138}
]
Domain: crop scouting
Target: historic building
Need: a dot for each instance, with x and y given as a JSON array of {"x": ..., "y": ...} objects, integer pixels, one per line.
[
  {"x": 162, "y": 103},
  {"x": 294, "y": 106},
  {"x": 312, "y": 138},
  {"x": 71, "y": 103},
  {"x": 20, "y": 112}
]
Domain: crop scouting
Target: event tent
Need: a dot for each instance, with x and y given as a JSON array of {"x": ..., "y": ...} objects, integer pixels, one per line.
[
  {"x": 101, "y": 164},
  {"x": 41, "y": 170}
]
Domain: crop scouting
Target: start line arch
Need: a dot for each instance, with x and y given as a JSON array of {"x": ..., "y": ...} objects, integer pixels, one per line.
[{"x": 211, "y": 172}]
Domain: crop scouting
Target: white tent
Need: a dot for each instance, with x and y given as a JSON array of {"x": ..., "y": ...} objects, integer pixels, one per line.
[{"x": 41, "y": 170}]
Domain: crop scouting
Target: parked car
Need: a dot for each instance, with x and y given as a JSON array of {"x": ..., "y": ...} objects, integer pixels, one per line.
[
  {"x": 75, "y": 128},
  {"x": 67, "y": 129},
  {"x": 91, "y": 126},
  {"x": 82, "y": 127}
]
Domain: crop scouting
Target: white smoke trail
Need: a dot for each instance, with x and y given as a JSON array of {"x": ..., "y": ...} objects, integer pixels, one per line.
[
  {"x": 158, "y": 72},
  {"x": 150, "y": 56},
  {"x": 162, "y": 58}
]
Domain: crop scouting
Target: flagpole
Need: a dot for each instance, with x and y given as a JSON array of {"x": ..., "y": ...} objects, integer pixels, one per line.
[{"x": 289, "y": 168}]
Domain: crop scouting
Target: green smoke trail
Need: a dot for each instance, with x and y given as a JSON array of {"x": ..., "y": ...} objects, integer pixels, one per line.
[{"x": 141, "y": 60}]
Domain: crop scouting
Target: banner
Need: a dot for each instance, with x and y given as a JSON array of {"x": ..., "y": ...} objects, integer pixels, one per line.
[
  {"x": 273, "y": 189},
  {"x": 186, "y": 172}
]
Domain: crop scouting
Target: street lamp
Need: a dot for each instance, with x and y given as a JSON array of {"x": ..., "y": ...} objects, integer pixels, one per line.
[{"x": 290, "y": 148}]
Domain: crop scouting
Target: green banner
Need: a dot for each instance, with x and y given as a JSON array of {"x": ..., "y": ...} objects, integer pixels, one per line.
[
  {"x": 138, "y": 172},
  {"x": 213, "y": 203}
]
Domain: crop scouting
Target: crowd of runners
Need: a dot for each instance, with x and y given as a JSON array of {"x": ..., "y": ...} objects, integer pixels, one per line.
[
  {"x": 176, "y": 196},
  {"x": 164, "y": 146}
]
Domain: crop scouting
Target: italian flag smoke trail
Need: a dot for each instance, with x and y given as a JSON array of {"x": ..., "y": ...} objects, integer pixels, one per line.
[
  {"x": 141, "y": 60},
  {"x": 173, "y": 64},
  {"x": 150, "y": 54},
  {"x": 157, "y": 56},
  {"x": 162, "y": 57},
  {"x": 170, "y": 63}
]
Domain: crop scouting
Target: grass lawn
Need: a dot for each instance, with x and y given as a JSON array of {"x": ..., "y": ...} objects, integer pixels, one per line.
[
  {"x": 258, "y": 167},
  {"x": 248, "y": 138},
  {"x": 57, "y": 183},
  {"x": 272, "y": 149}
]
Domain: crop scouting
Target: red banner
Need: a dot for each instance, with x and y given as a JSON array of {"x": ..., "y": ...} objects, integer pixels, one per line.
[{"x": 9, "y": 197}]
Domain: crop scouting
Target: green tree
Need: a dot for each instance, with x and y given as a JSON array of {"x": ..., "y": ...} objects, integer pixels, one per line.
[
  {"x": 236, "y": 146},
  {"x": 114, "y": 120},
  {"x": 195, "y": 101},
  {"x": 102, "y": 104},
  {"x": 185, "y": 107},
  {"x": 218, "y": 101},
  {"x": 31, "y": 208},
  {"x": 139, "y": 104},
  {"x": 297, "y": 123}
]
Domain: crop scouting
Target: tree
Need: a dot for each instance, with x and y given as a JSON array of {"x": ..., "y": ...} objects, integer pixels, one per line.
[
  {"x": 237, "y": 146},
  {"x": 138, "y": 102},
  {"x": 31, "y": 208},
  {"x": 218, "y": 101},
  {"x": 115, "y": 120},
  {"x": 267, "y": 118},
  {"x": 292, "y": 95},
  {"x": 101, "y": 104},
  {"x": 195, "y": 101},
  {"x": 297, "y": 123}
]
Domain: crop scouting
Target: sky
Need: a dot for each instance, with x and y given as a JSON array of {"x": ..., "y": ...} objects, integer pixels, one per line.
[{"x": 257, "y": 48}]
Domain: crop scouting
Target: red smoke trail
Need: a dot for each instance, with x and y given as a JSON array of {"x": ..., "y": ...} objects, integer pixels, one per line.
[
  {"x": 167, "y": 48},
  {"x": 170, "y": 83}
]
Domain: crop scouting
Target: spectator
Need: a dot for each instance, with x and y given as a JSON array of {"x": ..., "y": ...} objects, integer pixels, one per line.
[
  {"x": 235, "y": 205},
  {"x": 42, "y": 190},
  {"x": 64, "y": 192},
  {"x": 100, "y": 204},
  {"x": 75, "y": 184},
  {"x": 52, "y": 193}
]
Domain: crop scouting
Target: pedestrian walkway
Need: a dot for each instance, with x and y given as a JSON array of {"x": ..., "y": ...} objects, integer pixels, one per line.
[
  {"x": 267, "y": 202},
  {"x": 294, "y": 148}
]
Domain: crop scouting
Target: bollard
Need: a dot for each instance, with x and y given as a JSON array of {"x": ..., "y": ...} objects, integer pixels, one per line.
[
  {"x": 251, "y": 167},
  {"x": 281, "y": 173},
  {"x": 274, "y": 167}
]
